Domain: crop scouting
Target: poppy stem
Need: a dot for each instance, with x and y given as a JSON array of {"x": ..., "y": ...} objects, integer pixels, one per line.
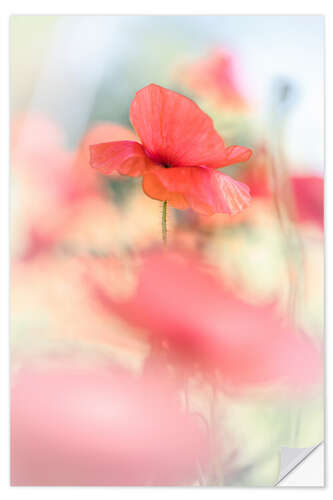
[{"x": 164, "y": 222}]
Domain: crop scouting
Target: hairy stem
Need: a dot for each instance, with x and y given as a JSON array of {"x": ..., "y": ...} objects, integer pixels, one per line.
[{"x": 164, "y": 222}]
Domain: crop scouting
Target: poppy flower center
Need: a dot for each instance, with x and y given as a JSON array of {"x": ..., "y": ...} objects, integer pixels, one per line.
[{"x": 158, "y": 158}]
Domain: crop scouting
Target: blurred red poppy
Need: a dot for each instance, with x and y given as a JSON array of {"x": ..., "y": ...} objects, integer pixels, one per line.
[
  {"x": 215, "y": 76},
  {"x": 41, "y": 183},
  {"x": 308, "y": 193},
  {"x": 98, "y": 426},
  {"x": 256, "y": 174},
  {"x": 48, "y": 178},
  {"x": 179, "y": 155},
  {"x": 203, "y": 323}
]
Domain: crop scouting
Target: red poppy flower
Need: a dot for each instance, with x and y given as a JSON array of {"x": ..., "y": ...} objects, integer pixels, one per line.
[
  {"x": 179, "y": 302},
  {"x": 179, "y": 155}
]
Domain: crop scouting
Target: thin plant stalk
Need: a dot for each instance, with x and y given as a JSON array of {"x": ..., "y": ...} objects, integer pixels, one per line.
[{"x": 164, "y": 222}]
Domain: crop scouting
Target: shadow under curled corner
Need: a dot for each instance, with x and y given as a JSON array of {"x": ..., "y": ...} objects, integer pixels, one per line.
[{"x": 295, "y": 459}]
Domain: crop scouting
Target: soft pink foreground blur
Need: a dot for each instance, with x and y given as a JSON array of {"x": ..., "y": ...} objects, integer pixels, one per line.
[{"x": 76, "y": 426}]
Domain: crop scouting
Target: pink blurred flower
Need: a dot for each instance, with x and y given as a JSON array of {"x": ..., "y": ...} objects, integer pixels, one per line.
[
  {"x": 77, "y": 426},
  {"x": 215, "y": 76},
  {"x": 37, "y": 147},
  {"x": 204, "y": 324},
  {"x": 52, "y": 182},
  {"x": 256, "y": 174},
  {"x": 33, "y": 134},
  {"x": 308, "y": 191},
  {"x": 42, "y": 183}
]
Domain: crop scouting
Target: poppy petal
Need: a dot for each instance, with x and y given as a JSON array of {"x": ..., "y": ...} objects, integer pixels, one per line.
[
  {"x": 101, "y": 133},
  {"x": 236, "y": 154},
  {"x": 154, "y": 188},
  {"x": 206, "y": 191},
  {"x": 175, "y": 131},
  {"x": 125, "y": 157},
  {"x": 86, "y": 179}
]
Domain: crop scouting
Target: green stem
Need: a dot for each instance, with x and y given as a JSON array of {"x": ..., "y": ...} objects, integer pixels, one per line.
[{"x": 164, "y": 222}]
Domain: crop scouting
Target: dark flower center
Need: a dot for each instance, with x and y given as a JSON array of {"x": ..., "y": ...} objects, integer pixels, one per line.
[{"x": 158, "y": 158}]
